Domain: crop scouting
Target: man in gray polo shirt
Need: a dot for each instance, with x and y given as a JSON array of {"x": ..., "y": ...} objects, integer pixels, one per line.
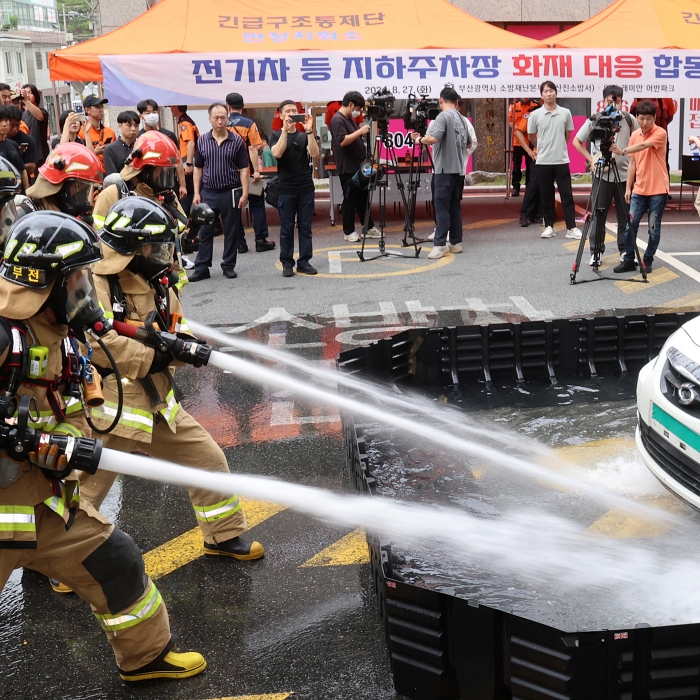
[
  {"x": 606, "y": 188},
  {"x": 549, "y": 128}
]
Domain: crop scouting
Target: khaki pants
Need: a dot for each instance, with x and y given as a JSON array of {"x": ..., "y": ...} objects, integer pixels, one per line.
[
  {"x": 220, "y": 517},
  {"x": 103, "y": 566}
]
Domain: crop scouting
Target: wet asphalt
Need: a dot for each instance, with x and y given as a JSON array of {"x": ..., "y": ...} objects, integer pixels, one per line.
[{"x": 273, "y": 626}]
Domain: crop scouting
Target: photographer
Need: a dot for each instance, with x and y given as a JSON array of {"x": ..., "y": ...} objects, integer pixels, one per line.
[
  {"x": 349, "y": 152},
  {"x": 606, "y": 187},
  {"x": 648, "y": 176},
  {"x": 450, "y": 139}
]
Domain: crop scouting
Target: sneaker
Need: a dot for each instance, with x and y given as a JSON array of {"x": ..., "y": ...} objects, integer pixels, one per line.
[
  {"x": 437, "y": 252},
  {"x": 235, "y": 548},
  {"x": 262, "y": 244},
  {"x": 431, "y": 237},
  {"x": 307, "y": 269},
  {"x": 187, "y": 263},
  {"x": 454, "y": 248},
  {"x": 592, "y": 260},
  {"x": 626, "y": 266},
  {"x": 622, "y": 257},
  {"x": 549, "y": 232},
  {"x": 59, "y": 587},
  {"x": 352, "y": 237},
  {"x": 373, "y": 232},
  {"x": 242, "y": 246},
  {"x": 171, "y": 665},
  {"x": 287, "y": 271},
  {"x": 574, "y": 233}
]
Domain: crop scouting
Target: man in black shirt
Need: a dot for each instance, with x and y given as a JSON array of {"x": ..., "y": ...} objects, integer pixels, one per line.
[
  {"x": 25, "y": 143},
  {"x": 296, "y": 188},
  {"x": 148, "y": 111},
  {"x": 9, "y": 149},
  {"x": 115, "y": 154},
  {"x": 349, "y": 152}
]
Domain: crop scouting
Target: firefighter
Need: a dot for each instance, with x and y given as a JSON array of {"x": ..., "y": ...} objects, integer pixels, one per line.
[
  {"x": 133, "y": 284},
  {"x": 46, "y": 294},
  {"x": 66, "y": 182}
]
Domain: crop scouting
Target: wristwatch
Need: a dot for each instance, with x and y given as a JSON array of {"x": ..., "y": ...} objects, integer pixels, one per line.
[{"x": 189, "y": 165}]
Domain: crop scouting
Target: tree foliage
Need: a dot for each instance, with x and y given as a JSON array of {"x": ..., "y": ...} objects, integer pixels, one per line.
[{"x": 79, "y": 16}]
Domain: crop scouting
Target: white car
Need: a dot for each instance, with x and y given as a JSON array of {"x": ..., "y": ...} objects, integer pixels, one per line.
[{"x": 668, "y": 403}]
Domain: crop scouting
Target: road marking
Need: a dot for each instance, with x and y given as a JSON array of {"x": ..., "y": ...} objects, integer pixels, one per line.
[
  {"x": 387, "y": 312},
  {"x": 372, "y": 250},
  {"x": 677, "y": 254},
  {"x": 488, "y": 223},
  {"x": 276, "y": 314},
  {"x": 283, "y": 414},
  {"x": 529, "y": 310},
  {"x": 689, "y": 302},
  {"x": 617, "y": 524},
  {"x": 184, "y": 549},
  {"x": 351, "y": 549},
  {"x": 419, "y": 313},
  {"x": 271, "y": 696},
  {"x": 655, "y": 278},
  {"x": 573, "y": 245}
]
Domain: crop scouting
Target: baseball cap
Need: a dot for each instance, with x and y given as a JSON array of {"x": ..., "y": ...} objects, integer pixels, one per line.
[
  {"x": 234, "y": 99},
  {"x": 93, "y": 101}
]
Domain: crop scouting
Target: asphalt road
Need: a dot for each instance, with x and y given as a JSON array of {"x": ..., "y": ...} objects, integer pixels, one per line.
[{"x": 303, "y": 619}]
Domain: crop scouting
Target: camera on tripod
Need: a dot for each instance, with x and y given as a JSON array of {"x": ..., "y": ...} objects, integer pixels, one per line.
[
  {"x": 419, "y": 111},
  {"x": 607, "y": 125},
  {"x": 380, "y": 105}
]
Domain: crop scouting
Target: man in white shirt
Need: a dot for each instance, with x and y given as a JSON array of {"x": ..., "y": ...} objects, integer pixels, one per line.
[{"x": 549, "y": 129}]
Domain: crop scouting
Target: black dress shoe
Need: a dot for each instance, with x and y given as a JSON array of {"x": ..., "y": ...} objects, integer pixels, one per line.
[
  {"x": 262, "y": 244},
  {"x": 230, "y": 273},
  {"x": 523, "y": 221},
  {"x": 516, "y": 190},
  {"x": 626, "y": 266},
  {"x": 307, "y": 269},
  {"x": 242, "y": 246},
  {"x": 199, "y": 274},
  {"x": 287, "y": 271}
]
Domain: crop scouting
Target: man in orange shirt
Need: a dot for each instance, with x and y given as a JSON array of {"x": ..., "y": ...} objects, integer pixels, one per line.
[
  {"x": 647, "y": 183},
  {"x": 188, "y": 133},
  {"x": 97, "y": 132}
]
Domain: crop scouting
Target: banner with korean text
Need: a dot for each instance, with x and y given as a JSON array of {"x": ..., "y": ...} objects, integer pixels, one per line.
[{"x": 318, "y": 76}]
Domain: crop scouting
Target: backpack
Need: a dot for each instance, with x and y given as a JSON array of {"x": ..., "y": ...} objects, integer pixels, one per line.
[{"x": 272, "y": 192}]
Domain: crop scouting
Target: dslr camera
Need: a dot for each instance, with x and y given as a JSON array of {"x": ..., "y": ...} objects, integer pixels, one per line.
[
  {"x": 380, "y": 105},
  {"x": 419, "y": 111},
  {"x": 607, "y": 125}
]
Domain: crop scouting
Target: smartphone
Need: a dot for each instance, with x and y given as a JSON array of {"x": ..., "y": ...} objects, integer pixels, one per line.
[
  {"x": 108, "y": 140},
  {"x": 23, "y": 147},
  {"x": 300, "y": 118}
]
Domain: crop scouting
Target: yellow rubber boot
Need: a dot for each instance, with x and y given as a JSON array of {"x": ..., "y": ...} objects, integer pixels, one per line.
[
  {"x": 235, "y": 548},
  {"x": 173, "y": 665},
  {"x": 59, "y": 587}
]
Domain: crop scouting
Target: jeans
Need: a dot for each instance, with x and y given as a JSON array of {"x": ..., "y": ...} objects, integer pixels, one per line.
[
  {"x": 222, "y": 203},
  {"x": 448, "y": 207},
  {"x": 354, "y": 200},
  {"x": 547, "y": 174},
  {"x": 607, "y": 192},
  {"x": 299, "y": 207},
  {"x": 518, "y": 154},
  {"x": 640, "y": 203},
  {"x": 256, "y": 205}
]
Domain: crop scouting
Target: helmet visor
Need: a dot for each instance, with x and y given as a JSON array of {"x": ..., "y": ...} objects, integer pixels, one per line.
[
  {"x": 162, "y": 179},
  {"x": 81, "y": 298},
  {"x": 158, "y": 254},
  {"x": 8, "y": 216}
]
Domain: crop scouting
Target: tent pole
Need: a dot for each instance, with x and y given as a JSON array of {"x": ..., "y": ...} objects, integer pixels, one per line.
[
  {"x": 56, "y": 106},
  {"x": 509, "y": 148}
]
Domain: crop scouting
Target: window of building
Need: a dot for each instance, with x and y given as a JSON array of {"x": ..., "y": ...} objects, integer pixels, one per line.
[
  {"x": 20, "y": 68},
  {"x": 8, "y": 63},
  {"x": 38, "y": 57}
]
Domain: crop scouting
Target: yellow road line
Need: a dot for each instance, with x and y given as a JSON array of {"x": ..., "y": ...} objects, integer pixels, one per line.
[
  {"x": 351, "y": 549},
  {"x": 690, "y": 302},
  {"x": 617, "y": 524},
  {"x": 573, "y": 245},
  {"x": 174, "y": 554},
  {"x": 658, "y": 276},
  {"x": 272, "y": 696}
]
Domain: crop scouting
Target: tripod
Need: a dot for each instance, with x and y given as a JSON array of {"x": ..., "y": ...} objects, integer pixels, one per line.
[
  {"x": 414, "y": 181},
  {"x": 378, "y": 175},
  {"x": 595, "y": 211}
]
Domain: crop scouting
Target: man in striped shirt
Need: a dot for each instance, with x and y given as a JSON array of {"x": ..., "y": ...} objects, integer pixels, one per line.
[{"x": 221, "y": 180}]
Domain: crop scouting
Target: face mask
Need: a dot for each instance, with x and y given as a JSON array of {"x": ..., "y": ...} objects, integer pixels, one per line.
[
  {"x": 151, "y": 119},
  {"x": 356, "y": 113}
]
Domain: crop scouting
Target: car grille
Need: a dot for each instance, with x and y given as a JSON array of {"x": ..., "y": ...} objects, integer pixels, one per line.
[{"x": 677, "y": 465}]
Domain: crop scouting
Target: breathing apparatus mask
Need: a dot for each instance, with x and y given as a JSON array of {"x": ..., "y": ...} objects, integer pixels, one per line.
[
  {"x": 158, "y": 178},
  {"x": 74, "y": 198},
  {"x": 153, "y": 259},
  {"x": 73, "y": 300}
]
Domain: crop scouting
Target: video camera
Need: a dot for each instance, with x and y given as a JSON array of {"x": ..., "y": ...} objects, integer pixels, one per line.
[
  {"x": 380, "y": 105},
  {"x": 607, "y": 124},
  {"x": 419, "y": 111}
]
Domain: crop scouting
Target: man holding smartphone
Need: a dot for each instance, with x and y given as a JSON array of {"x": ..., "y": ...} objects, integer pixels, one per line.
[
  {"x": 221, "y": 180},
  {"x": 94, "y": 128}
]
